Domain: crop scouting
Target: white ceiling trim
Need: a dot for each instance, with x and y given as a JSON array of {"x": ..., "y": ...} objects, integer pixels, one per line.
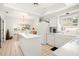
[
  {"x": 21, "y": 10},
  {"x": 53, "y": 12},
  {"x": 39, "y": 14}
]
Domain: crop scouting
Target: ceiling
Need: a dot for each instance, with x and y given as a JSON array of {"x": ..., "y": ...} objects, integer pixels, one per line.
[{"x": 40, "y": 9}]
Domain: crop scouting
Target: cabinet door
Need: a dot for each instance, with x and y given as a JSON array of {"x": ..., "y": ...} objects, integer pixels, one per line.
[
  {"x": 30, "y": 46},
  {"x": 61, "y": 40},
  {"x": 50, "y": 40}
]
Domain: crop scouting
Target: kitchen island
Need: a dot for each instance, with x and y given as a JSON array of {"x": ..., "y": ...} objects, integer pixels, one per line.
[{"x": 30, "y": 44}]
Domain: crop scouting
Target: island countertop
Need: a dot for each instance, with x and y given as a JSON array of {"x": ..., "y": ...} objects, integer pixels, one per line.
[
  {"x": 69, "y": 49},
  {"x": 28, "y": 35}
]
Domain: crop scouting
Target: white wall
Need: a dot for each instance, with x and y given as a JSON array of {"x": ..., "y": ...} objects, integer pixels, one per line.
[
  {"x": 14, "y": 18},
  {"x": 13, "y": 22}
]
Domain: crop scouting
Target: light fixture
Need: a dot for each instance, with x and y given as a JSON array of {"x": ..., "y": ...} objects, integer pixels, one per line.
[
  {"x": 67, "y": 13},
  {"x": 6, "y": 12},
  {"x": 35, "y": 4}
]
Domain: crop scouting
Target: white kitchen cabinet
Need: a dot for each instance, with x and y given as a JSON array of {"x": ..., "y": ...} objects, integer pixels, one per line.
[
  {"x": 50, "y": 40},
  {"x": 30, "y": 44},
  {"x": 61, "y": 39},
  {"x": 42, "y": 31}
]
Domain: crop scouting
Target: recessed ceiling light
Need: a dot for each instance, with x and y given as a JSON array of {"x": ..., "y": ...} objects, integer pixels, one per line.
[
  {"x": 35, "y": 4},
  {"x": 67, "y": 13},
  {"x": 6, "y": 11}
]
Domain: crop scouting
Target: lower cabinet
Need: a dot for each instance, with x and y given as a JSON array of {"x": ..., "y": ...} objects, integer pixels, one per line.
[
  {"x": 50, "y": 40},
  {"x": 60, "y": 39},
  {"x": 30, "y": 46}
]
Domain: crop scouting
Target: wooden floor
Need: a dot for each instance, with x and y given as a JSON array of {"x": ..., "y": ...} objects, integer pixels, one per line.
[
  {"x": 11, "y": 48},
  {"x": 45, "y": 50}
]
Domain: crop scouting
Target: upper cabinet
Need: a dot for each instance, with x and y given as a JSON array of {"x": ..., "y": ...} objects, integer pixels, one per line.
[{"x": 70, "y": 22}]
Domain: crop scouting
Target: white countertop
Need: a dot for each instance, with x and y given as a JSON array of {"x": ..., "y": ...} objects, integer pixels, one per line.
[
  {"x": 69, "y": 34},
  {"x": 69, "y": 49},
  {"x": 28, "y": 35}
]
